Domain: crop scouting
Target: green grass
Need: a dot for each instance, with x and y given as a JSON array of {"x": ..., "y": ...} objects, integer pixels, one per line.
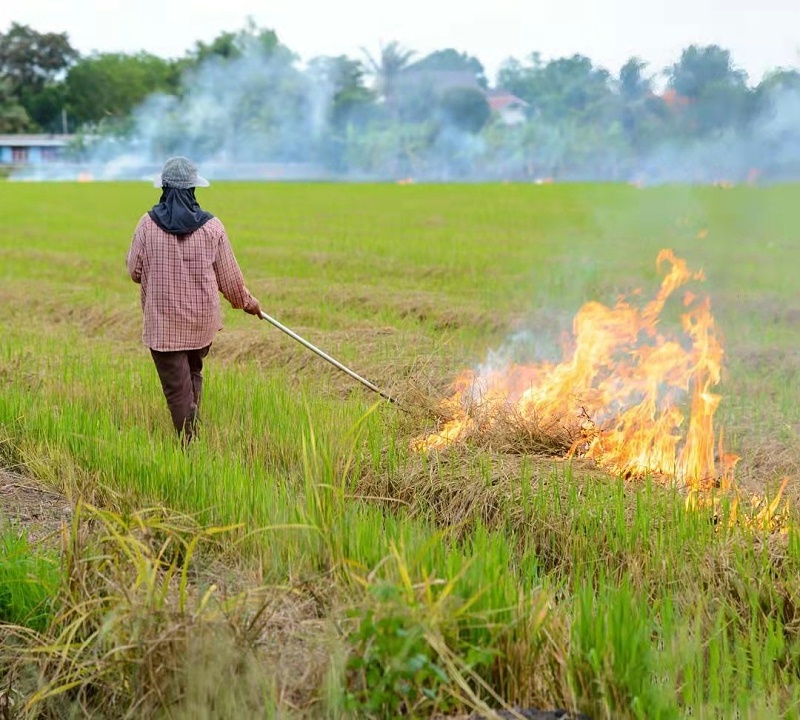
[
  {"x": 461, "y": 578},
  {"x": 28, "y": 580}
]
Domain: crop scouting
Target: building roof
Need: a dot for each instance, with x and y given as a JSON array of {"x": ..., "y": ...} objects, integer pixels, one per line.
[
  {"x": 35, "y": 140},
  {"x": 504, "y": 100},
  {"x": 438, "y": 80}
]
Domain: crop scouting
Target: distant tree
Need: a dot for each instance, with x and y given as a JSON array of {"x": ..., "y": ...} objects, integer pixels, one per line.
[
  {"x": 573, "y": 85},
  {"x": 515, "y": 77},
  {"x": 774, "y": 87},
  {"x": 776, "y": 139},
  {"x": 633, "y": 85},
  {"x": 111, "y": 85},
  {"x": 452, "y": 60},
  {"x": 32, "y": 64},
  {"x": 342, "y": 100},
  {"x": 716, "y": 92},
  {"x": 465, "y": 108},
  {"x": 224, "y": 46},
  {"x": 29, "y": 59},
  {"x": 229, "y": 45},
  {"x": 391, "y": 149},
  {"x": 781, "y": 79},
  {"x": 643, "y": 114},
  {"x": 246, "y": 101},
  {"x": 562, "y": 88},
  {"x": 344, "y": 80},
  {"x": 386, "y": 68},
  {"x": 46, "y": 106},
  {"x": 702, "y": 67},
  {"x": 13, "y": 117}
]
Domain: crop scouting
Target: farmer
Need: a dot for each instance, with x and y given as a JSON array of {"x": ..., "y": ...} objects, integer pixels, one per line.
[{"x": 182, "y": 258}]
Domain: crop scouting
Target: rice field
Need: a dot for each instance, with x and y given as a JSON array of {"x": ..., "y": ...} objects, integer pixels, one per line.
[{"x": 303, "y": 560}]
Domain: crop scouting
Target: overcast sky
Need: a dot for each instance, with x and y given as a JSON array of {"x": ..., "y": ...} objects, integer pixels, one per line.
[{"x": 761, "y": 34}]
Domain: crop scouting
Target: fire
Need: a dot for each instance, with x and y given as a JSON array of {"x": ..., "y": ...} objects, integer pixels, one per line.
[{"x": 629, "y": 396}]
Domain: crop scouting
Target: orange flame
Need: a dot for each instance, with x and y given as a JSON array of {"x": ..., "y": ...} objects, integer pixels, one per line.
[{"x": 619, "y": 392}]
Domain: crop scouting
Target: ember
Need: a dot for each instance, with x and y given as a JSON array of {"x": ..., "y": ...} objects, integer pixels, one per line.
[{"x": 629, "y": 396}]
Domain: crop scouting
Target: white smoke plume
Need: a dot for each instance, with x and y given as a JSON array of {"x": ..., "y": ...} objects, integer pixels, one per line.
[{"x": 259, "y": 116}]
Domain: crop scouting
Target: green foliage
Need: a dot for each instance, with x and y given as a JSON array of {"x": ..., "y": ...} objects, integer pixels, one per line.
[
  {"x": 702, "y": 67},
  {"x": 612, "y": 663},
  {"x": 716, "y": 92},
  {"x": 13, "y": 116},
  {"x": 231, "y": 45},
  {"x": 633, "y": 85},
  {"x": 410, "y": 641},
  {"x": 28, "y": 581},
  {"x": 32, "y": 64},
  {"x": 343, "y": 79},
  {"x": 465, "y": 108},
  {"x": 29, "y": 59},
  {"x": 386, "y": 69},
  {"x": 111, "y": 85},
  {"x": 396, "y": 149},
  {"x": 394, "y": 669},
  {"x": 562, "y": 88}
]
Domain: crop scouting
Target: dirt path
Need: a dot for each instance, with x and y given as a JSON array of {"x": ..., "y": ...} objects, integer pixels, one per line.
[{"x": 38, "y": 511}]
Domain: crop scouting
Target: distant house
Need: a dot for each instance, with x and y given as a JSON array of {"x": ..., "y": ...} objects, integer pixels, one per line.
[
  {"x": 32, "y": 149},
  {"x": 510, "y": 109},
  {"x": 507, "y": 106}
]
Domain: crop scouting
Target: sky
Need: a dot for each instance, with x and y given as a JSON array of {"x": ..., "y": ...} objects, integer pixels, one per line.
[{"x": 761, "y": 34}]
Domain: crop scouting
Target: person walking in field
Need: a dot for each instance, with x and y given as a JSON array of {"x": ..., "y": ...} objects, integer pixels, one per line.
[{"x": 182, "y": 258}]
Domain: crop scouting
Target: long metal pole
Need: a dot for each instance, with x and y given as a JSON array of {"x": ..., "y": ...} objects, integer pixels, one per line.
[{"x": 292, "y": 334}]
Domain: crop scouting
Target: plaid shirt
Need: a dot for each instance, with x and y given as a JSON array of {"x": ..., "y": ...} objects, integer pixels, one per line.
[{"x": 181, "y": 279}]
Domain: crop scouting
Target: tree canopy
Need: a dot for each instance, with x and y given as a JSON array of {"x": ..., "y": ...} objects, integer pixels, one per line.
[
  {"x": 244, "y": 96},
  {"x": 31, "y": 66},
  {"x": 112, "y": 85}
]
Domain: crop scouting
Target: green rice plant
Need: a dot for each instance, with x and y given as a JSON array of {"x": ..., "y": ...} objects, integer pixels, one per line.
[
  {"x": 28, "y": 581},
  {"x": 612, "y": 664},
  {"x": 406, "y": 656}
]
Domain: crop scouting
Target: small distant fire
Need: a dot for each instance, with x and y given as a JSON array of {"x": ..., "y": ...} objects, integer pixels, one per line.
[{"x": 628, "y": 395}]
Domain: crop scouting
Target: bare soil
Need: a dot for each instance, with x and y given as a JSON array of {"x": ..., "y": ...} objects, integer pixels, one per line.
[{"x": 38, "y": 511}]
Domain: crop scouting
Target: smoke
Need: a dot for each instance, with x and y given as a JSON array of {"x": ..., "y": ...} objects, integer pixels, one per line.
[
  {"x": 768, "y": 148},
  {"x": 259, "y": 116},
  {"x": 256, "y": 116}
]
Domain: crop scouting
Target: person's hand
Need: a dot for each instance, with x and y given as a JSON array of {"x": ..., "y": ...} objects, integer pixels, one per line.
[{"x": 254, "y": 309}]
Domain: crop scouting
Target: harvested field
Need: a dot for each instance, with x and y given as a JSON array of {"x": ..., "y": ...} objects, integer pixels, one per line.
[{"x": 308, "y": 557}]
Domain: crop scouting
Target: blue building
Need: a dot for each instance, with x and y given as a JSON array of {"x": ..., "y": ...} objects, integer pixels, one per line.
[{"x": 32, "y": 149}]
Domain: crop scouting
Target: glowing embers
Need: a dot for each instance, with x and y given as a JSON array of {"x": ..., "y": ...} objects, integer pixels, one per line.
[{"x": 629, "y": 395}]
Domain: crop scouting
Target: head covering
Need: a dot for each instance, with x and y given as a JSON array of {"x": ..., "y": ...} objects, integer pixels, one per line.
[
  {"x": 181, "y": 173},
  {"x": 178, "y": 212}
]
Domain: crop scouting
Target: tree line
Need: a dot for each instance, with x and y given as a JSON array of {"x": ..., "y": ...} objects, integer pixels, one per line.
[{"x": 396, "y": 113}]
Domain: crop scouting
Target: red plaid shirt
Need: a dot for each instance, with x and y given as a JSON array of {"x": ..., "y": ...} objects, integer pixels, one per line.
[{"x": 181, "y": 279}]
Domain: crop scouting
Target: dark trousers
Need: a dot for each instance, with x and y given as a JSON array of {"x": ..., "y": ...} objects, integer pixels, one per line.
[{"x": 181, "y": 375}]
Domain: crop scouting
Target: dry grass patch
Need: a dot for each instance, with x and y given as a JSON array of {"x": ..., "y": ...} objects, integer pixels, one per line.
[{"x": 136, "y": 632}]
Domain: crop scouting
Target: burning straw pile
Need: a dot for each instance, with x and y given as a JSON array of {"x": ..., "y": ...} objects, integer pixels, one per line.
[{"x": 619, "y": 398}]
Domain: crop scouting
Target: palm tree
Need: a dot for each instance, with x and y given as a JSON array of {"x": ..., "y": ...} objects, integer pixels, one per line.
[{"x": 393, "y": 59}]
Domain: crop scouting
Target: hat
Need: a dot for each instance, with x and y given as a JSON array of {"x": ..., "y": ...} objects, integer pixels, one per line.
[{"x": 181, "y": 173}]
